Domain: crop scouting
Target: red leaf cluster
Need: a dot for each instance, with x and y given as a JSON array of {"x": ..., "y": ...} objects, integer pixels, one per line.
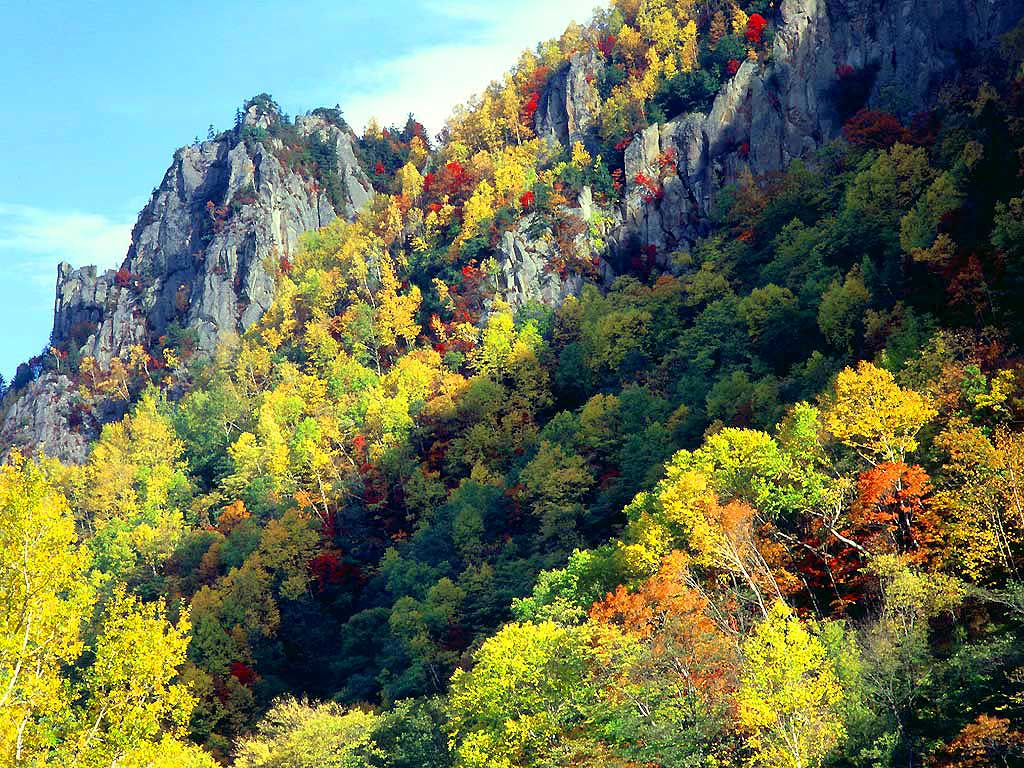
[
  {"x": 874, "y": 129},
  {"x": 328, "y": 569},
  {"x": 530, "y": 107},
  {"x": 652, "y": 188},
  {"x": 756, "y": 25},
  {"x": 452, "y": 180},
  {"x": 732, "y": 67},
  {"x": 667, "y": 160},
  {"x": 123, "y": 278},
  {"x": 527, "y": 200},
  {"x": 242, "y": 673},
  {"x": 471, "y": 274},
  {"x": 891, "y": 516}
]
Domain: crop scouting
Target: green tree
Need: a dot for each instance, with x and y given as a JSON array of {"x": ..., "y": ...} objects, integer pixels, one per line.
[{"x": 555, "y": 483}]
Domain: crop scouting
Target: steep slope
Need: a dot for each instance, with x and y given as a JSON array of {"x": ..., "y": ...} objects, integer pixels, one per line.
[
  {"x": 208, "y": 244},
  {"x": 201, "y": 266},
  {"x": 751, "y": 500},
  {"x": 828, "y": 59}
]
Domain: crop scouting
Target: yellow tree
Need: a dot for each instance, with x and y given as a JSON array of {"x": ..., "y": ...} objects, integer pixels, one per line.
[
  {"x": 302, "y": 735},
  {"x": 418, "y": 154},
  {"x": 410, "y": 181},
  {"x": 477, "y": 210},
  {"x": 167, "y": 753},
  {"x": 981, "y": 499},
  {"x": 134, "y": 697},
  {"x": 45, "y": 598},
  {"x": 672, "y": 37},
  {"x": 396, "y": 310},
  {"x": 132, "y": 491},
  {"x": 876, "y": 417},
  {"x": 510, "y": 109},
  {"x": 133, "y": 464},
  {"x": 789, "y": 697},
  {"x": 527, "y": 691},
  {"x": 684, "y": 512}
]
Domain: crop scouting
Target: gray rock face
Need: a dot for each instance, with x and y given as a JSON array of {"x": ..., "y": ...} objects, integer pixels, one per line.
[
  {"x": 767, "y": 116},
  {"x": 912, "y": 45},
  {"x": 525, "y": 272},
  {"x": 570, "y": 105},
  {"x": 207, "y": 245},
  {"x": 203, "y": 256},
  {"x": 42, "y": 419},
  {"x": 525, "y": 276},
  {"x": 97, "y": 313}
]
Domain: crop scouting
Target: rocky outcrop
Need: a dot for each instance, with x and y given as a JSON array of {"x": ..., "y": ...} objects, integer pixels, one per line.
[
  {"x": 207, "y": 246},
  {"x": 531, "y": 270},
  {"x": 570, "y": 105},
  {"x": 203, "y": 256},
  {"x": 42, "y": 419},
  {"x": 897, "y": 51},
  {"x": 97, "y": 313},
  {"x": 903, "y": 49},
  {"x": 229, "y": 211}
]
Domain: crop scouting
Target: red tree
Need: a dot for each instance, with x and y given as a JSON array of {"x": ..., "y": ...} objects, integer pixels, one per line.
[
  {"x": 874, "y": 129},
  {"x": 242, "y": 673},
  {"x": 891, "y": 516},
  {"x": 652, "y": 189},
  {"x": 756, "y": 25},
  {"x": 530, "y": 107}
]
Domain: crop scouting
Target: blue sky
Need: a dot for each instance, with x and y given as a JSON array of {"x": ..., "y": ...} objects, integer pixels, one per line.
[{"x": 97, "y": 96}]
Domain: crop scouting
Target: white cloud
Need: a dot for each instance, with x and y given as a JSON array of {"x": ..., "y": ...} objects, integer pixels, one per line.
[
  {"x": 429, "y": 82},
  {"x": 33, "y": 240}
]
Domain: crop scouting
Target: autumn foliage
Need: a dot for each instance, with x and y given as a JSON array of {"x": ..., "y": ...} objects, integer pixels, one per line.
[
  {"x": 519, "y": 470},
  {"x": 756, "y": 26},
  {"x": 874, "y": 129}
]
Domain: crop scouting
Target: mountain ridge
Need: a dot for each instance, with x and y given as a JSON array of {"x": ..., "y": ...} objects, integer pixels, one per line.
[
  {"x": 761, "y": 120},
  {"x": 666, "y": 414}
]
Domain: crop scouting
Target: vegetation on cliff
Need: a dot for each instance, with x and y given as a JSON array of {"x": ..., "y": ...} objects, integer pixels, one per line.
[{"x": 756, "y": 503}]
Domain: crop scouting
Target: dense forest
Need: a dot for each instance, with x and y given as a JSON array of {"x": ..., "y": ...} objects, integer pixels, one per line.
[{"x": 757, "y": 502}]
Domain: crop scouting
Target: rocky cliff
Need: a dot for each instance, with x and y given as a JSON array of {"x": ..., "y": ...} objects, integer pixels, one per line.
[
  {"x": 895, "y": 52},
  {"x": 207, "y": 245},
  {"x": 229, "y": 211},
  {"x": 203, "y": 258}
]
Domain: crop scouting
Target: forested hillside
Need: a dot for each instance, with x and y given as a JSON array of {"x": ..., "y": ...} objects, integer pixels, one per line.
[{"x": 746, "y": 495}]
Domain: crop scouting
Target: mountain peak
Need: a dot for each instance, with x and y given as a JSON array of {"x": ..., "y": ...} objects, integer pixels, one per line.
[{"x": 261, "y": 111}]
